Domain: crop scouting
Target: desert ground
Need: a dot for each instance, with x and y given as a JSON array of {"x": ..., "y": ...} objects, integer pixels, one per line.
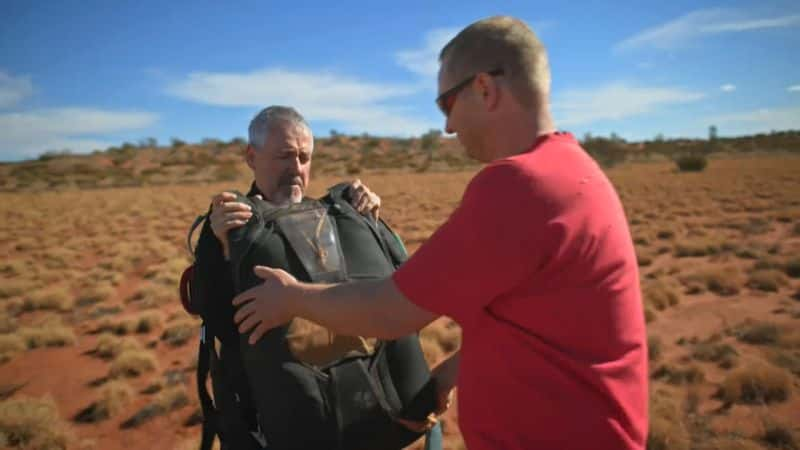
[{"x": 97, "y": 352}]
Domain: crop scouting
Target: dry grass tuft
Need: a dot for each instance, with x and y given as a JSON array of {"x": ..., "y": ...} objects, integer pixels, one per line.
[
  {"x": 756, "y": 383},
  {"x": 792, "y": 267},
  {"x": 724, "y": 281},
  {"x": 672, "y": 375},
  {"x": 759, "y": 333},
  {"x": 95, "y": 294},
  {"x": 10, "y": 345},
  {"x": 768, "y": 280},
  {"x": 695, "y": 248},
  {"x": 667, "y": 427},
  {"x": 115, "y": 396},
  {"x": 779, "y": 436},
  {"x": 47, "y": 336},
  {"x": 109, "y": 346},
  {"x": 13, "y": 288},
  {"x": 149, "y": 321},
  {"x": 167, "y": 400},
  {"x": 653, "y": 347},
  {"x": 722, "y": 354},
  {"x": 658, "y": 295},
  {"x": 172, "y": 398},
  {"x": 179, "y": 333},
  {"x": 153, "y": 295},
  {"x": 56, "y": 298},
  {"x": 132, "y": 363},
  {"x": 33, "y": 424}
]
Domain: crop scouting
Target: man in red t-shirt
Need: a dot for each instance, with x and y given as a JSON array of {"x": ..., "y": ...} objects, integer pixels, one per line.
[{"x": 536, "y": 265}]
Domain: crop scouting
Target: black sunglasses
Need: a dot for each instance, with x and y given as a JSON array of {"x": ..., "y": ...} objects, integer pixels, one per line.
[{"x": 447, "y": 98}]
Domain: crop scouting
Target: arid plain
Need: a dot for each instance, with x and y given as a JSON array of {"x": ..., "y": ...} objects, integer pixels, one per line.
[{"x": 97, "y": 352}]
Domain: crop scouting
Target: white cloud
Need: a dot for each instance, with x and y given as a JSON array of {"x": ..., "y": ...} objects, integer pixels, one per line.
[
  {"x": 757, "y": 121},
  {"x": 425, "y": 60},
  {"x": 358, "y": 105},
  {"x": 13, "y": 89},
  {"x": 615, "y": 101},
  {"x": 700, "y": 23},
  {"x": 727, "y": 87},
  {"x": 78, "y": 129},
  {"x": 794, "y": 88}
]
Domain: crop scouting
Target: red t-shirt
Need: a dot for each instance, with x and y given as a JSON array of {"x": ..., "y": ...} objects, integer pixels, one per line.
[{"x": 538, "y": 268}]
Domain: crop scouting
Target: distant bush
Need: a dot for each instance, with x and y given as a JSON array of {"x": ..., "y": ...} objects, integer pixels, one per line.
[
  {"x": 177, "y": 143},
  {"x": 691, "y": 163},
  {"x": 760, "y": 333}
]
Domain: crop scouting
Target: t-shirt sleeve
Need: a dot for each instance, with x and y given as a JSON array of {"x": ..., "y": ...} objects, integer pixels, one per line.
[{"x": 491, "y": 242}]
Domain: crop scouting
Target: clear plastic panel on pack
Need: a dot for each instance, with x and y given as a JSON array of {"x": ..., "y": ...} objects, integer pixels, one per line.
[{"x": 312, "y": 236}]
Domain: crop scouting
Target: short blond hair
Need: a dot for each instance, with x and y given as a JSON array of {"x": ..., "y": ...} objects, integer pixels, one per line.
[{"x": 501, "y": 42}]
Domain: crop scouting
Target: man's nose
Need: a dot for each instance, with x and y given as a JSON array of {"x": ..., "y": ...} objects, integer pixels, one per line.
[
  {"x": 296, "y": 165},
  {"x": 447, "y": 128}
]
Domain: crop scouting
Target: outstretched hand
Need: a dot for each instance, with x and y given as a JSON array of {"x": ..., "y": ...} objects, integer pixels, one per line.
[{"x": 267, "y": 305}]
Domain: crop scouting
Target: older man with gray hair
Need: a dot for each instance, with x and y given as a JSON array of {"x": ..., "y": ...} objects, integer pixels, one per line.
[{"x": 279, "y": 153}]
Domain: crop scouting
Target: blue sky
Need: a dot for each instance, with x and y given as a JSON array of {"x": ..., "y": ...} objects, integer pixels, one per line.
[{"x": 87, "y": 75}]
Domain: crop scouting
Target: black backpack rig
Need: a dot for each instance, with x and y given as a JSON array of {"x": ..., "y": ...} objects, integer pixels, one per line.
[{"x": 299, "y": 386}]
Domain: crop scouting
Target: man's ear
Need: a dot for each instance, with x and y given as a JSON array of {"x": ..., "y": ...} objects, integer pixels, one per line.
[
  {"x": 250, "y": 156},
  {"x": 489, "y": 91}
]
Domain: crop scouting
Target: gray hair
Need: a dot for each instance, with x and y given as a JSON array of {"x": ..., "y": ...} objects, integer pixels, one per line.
[{"x": 269, "y": 117}]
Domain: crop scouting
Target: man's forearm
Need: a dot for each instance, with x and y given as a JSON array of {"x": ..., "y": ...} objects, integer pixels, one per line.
[{"x": 366, "y": 308}]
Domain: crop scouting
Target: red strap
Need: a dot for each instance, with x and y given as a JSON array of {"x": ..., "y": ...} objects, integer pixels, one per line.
[{"x": 186, "y": 280}]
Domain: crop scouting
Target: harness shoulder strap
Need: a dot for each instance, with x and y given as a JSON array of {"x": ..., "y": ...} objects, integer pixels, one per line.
[{"x": 339, "y": 197}]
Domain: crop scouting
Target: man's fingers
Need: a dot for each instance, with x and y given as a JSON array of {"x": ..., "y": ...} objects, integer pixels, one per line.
[
  {"x": 355, "y": 185},
  {"x": 229, "y": 207},
  {"x": 245, "y": 296},
  {"x": 223, "y": 197},
  {"x": 364, "y": 204},
  {"x": 242, "y": 313},
  {"x": 240, "y": 215},
  {"x": 419, "y": 427},
  {"x": 249, "y": 323},
  {"x": 266, "y": 273},
  {"x": 262, "y": 328}
]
